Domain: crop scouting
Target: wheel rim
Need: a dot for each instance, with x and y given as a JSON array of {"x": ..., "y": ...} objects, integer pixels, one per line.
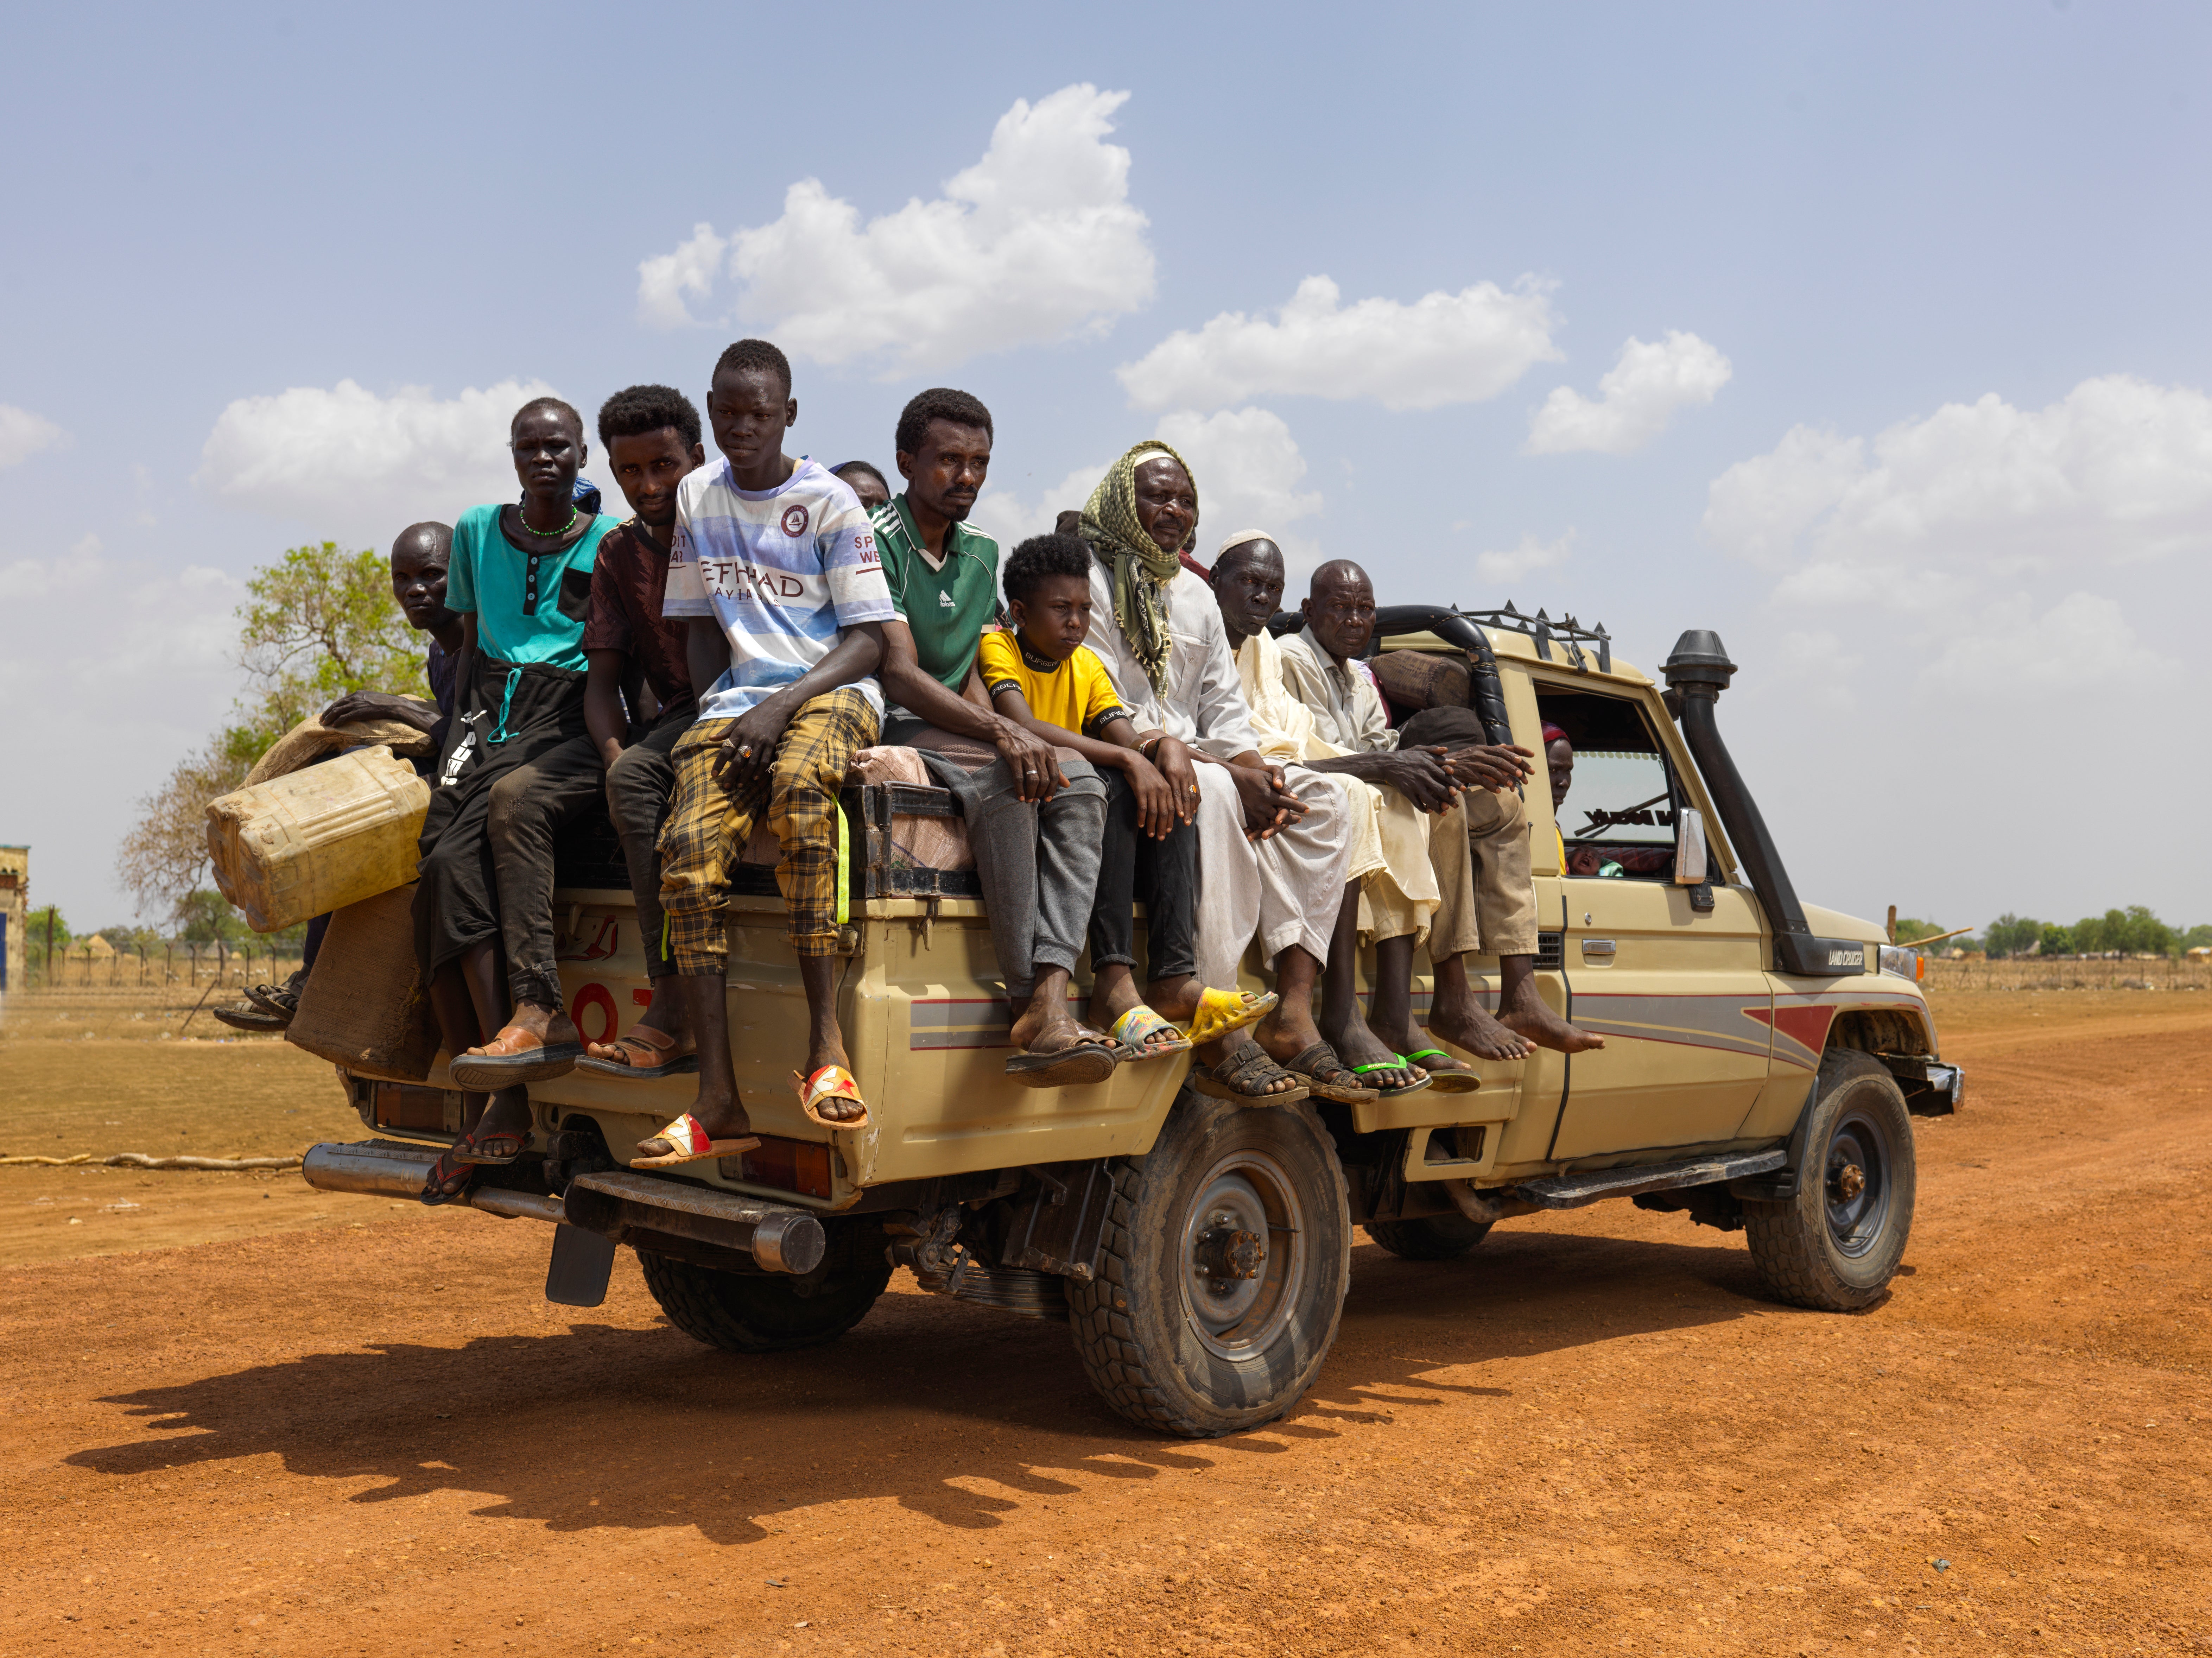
[
  {"x": 1241, "y": 1266},
  {"x": 1857, "y": 1179}
]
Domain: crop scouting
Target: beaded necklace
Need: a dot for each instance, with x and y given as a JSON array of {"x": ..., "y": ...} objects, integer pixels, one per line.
[{"x": 549, "y": 535}]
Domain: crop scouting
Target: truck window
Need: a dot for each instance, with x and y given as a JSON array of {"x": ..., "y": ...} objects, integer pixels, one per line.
[{"x": 1618, "y": 817}]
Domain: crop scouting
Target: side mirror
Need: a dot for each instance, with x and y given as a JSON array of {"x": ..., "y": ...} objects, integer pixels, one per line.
[{"x": 1689, "y": 847}]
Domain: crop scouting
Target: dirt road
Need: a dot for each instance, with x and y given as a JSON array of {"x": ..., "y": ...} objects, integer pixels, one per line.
[{"x": 1590, "y": 1435}]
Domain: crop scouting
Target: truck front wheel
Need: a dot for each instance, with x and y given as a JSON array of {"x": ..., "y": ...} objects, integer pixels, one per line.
[
  {"x": 1837, "y": 1244},
  {"x": 1222, "y": 1269},
  {"x": 773, "y": 1312}
]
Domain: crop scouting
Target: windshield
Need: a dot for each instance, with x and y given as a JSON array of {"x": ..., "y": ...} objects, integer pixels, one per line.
[{"x": 1619, "y": 798}]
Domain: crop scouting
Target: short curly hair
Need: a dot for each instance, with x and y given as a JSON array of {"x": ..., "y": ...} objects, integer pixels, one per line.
[
  {"x": 636, "y": 409},
  {"x": 756, "y": 355},
  {"x": 939, "y": 403},
  {"x": 558, "y": 406},
  {"x": 1041, "y": 557}
]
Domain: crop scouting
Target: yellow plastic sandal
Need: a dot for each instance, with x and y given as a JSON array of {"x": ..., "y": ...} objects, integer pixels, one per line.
[{"x": 1220, "y": 1011}]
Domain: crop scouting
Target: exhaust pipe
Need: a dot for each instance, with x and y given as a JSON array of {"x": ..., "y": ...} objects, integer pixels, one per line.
[
  {"x": 1697, "y": 671},
  {"x": 779, "y": 1239},
  {"x": 383, "y": 1169}
]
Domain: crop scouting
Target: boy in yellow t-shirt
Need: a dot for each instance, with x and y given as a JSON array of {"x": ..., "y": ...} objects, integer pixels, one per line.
[{"x": 1039, "y": 674}]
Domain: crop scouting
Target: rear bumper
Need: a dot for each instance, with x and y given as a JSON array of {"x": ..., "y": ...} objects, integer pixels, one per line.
[{"x": 645, "y": 1211}]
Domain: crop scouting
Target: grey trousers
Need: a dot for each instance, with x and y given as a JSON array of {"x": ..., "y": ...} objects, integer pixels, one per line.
[
  {"x": 1038, "y": 861},
  {"x": 638, "y": 785}
]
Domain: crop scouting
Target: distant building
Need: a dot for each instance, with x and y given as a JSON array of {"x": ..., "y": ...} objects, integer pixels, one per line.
[{"x": 14, "y": 913}]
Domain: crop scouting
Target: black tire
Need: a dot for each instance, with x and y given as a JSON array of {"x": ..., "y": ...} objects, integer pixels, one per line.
[
  {"x": 773, "y": 1312},
  {"x": 1837, "y": 1244},
  {"x": 1432, "y": 1238},
  {"x": 1194, "y": 1326}
]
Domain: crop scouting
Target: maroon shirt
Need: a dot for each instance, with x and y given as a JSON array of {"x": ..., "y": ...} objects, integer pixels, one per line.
[{"x": 628, "y": 583}]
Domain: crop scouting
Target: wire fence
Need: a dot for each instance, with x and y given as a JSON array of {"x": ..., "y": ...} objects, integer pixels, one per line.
[{"x": 175, "y": 963}]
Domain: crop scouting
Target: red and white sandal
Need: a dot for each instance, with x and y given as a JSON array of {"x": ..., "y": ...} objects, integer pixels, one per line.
[
  {"x": 831, "y": 1082},
  {"x": 688, "y": 1142}
]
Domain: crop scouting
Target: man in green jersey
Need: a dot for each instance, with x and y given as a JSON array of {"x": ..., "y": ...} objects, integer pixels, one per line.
[{"x": 1034, "y": 814}]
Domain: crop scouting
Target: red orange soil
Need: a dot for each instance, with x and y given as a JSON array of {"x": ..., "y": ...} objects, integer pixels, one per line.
[{"x": 1591, "y": 1434}]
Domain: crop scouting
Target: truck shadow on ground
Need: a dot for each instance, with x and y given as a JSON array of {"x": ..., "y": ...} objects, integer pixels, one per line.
[{"x": 970, "y": 1414}]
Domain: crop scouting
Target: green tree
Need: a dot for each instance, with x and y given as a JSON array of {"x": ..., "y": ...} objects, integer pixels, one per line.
[
  {"x": 1910, "y": 931},
  {"x": 2010, "y": 935},
  {"x": 2198, "y": 937},
  {"x": 2057, "y": 941},
  {"x": 206, "y": 917}
]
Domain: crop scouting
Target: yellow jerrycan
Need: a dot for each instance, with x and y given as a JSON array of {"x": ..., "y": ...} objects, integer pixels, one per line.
[{"x": 318, "y": 838}]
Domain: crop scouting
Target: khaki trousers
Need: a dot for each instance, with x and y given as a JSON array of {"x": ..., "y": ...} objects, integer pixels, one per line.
[{"x": 1462, "y": 879}]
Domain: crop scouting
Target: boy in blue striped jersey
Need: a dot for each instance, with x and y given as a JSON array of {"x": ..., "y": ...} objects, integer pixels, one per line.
[{"x": 775, "y": 568}]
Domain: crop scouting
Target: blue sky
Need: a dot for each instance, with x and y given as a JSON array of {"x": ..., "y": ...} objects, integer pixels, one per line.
[{"x": 1919, "y": 421}]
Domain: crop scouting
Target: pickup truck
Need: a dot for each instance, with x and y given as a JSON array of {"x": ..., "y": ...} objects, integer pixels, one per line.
[{"x": 1763, "y": 1059}]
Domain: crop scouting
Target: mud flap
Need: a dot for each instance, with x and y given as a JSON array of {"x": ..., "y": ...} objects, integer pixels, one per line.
[{"x": 582, "y": 1264}]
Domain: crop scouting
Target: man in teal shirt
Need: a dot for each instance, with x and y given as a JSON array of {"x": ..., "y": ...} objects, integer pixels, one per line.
[{"x": 1035, "y": 813}]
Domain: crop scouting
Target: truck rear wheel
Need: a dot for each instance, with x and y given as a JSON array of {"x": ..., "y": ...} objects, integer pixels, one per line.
[
  {"x": 1222, "y": 1269},
  {"x": 1432, "y": 1238},
  {"x": 1837, "y": 1244},
  {"x": 773, "y": 1312}
]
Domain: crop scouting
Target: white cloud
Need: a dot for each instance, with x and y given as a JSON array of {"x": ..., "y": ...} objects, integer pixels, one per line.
[
  {"x": 2009, "y": 649},
  {"x": 1444, "y": 348},
  {"x": 1011, "y": 520},
  {"x": 1248, "y": 470},
  {"x": 1036, "y": 242},
  {"x": 352, "y": 463},
  {"x": 23, "y": 434},
  {"x": 2118, "y": 471},
  {"x": 1636, "y": 399},
  {"x": 1976, "y": 533},
  {"x": 1518, "y": 564}
]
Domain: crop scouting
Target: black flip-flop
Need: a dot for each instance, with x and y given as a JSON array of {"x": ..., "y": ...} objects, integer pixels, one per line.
[
  {"x": 1327, "y": 1075},
  {"x": 465, "y": 1151},
  {"x": 274, "y": 999},
  {"x": 1395, "y": 1062},
  {"x": 1088, "y": 1060},
  {"x": 430, "y": 1197},
  {"x": 251, "y": 1019},
  {"x": 1452, "y": 1078},
  {"x": 1247, "y": 1064}
]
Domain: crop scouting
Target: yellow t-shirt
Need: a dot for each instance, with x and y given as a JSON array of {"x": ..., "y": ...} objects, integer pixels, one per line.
[{"x": 1076, "y": 696}]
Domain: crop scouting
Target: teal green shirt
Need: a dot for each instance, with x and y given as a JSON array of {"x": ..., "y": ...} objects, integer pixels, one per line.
[
  {"x": 529, "y": 606},
  {"x": 946, "y": 610}
]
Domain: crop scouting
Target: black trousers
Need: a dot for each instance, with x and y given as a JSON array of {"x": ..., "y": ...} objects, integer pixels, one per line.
[
  {"x": 640, "y": 785},
  {"x": 517, "y": 765},
  {"x": 1163, "y": 873}
]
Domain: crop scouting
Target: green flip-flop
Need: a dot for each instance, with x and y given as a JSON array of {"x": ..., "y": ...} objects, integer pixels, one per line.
[
  {"x": 1395, "y": 1062},
  {"x": 1452, "y": 1080}
]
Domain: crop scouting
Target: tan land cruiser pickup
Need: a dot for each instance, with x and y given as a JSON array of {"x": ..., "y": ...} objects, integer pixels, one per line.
[{"x": 1762, "y": 1061}]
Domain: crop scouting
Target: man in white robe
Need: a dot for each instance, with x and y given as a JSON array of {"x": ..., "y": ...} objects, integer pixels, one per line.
[{"x": 1477, "y": 844}]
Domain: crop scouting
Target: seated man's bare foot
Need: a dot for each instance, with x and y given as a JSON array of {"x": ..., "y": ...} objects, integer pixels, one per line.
[
  {"x": 1525, "y": 1015},
  {"x": 831, "y": 1108},
  {"x": 1174, "y": 999},
  {"x": 1358, "y": 1045},
  {"x": 721, "y": 1115},
  {"x": 1046, "y": 1026},
  {"x": 550, "y": 1025},
  {"x": 1471, "y": 1027}
]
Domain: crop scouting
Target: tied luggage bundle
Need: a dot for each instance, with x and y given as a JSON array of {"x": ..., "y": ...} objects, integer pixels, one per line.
[{"x": 318, "y": 840}]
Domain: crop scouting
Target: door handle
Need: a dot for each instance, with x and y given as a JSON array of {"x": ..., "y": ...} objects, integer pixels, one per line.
[{"x": 1598, "y": 949}]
